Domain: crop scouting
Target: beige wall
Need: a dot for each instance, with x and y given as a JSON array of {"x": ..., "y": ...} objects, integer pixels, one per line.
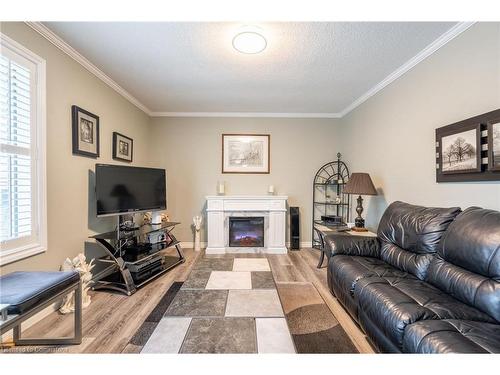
[
  {"x": 68, "y": 83},
  {"x": 391, "y": 136},
  {"x": 190, "y": 150}
]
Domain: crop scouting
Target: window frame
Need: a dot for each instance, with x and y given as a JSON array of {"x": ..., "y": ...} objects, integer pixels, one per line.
[{"x": 38, "y": 243}]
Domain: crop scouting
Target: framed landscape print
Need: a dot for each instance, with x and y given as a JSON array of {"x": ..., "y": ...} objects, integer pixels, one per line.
[
  {"x": 122, "y": 147},
  {"x": 469, "y": 150},
  {"x": 85, "y": 129},
  {"x": 461, "y": 151},
  {"x": 245, "y": 153},
  {"x": 494, "y": 145}
]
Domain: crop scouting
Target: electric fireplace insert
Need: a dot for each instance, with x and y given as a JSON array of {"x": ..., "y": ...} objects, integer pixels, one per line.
[{"x": 246, "y": 232}]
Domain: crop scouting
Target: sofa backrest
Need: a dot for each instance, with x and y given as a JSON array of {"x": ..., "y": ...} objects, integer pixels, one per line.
[
  {"x": 410, "y": 235},
  {"x": 467, "y": 265}
]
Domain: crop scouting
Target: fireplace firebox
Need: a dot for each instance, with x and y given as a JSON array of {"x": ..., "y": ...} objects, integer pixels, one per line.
[{"x": 246, "y": 232}]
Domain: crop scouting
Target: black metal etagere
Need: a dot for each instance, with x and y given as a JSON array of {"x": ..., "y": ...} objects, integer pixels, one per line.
[{"x": 328, "y": 195}]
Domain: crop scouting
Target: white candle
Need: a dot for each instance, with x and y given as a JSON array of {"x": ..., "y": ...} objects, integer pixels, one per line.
[
  {"x": 221, "y": 188},
  {"x": 271, "y": 189}
]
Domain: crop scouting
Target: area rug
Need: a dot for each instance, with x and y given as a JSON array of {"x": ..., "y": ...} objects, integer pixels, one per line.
[
  {"x": 313, "y": 327},
  {"x": 144, "y": 332},
  {"x": 232, "y": 304},
  {"x": 228, "y": 304}
]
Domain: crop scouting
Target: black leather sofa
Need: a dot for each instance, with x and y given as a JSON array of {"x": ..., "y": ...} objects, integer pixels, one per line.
[{"x": 428, "y": 283}]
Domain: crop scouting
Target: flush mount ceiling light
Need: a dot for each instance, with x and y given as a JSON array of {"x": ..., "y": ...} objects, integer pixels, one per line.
[{"x": 250, "y": 41}]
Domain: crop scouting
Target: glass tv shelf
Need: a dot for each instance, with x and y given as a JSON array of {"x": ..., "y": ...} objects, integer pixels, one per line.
[
  {"x": 138, "y": 256},
  {"x": 140, "y": 231}
]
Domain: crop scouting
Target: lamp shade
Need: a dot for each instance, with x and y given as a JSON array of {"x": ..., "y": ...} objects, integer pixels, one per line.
[{"x": 360, "y": 183}]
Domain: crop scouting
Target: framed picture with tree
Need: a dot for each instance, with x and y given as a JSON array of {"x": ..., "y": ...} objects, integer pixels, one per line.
[
  {"x": 461, "y": 150},
  {"x": 469, "y": 150}
]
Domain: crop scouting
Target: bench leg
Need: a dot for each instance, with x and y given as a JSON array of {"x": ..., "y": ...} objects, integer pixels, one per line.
[
  {"x": 75, "y": 340},
  {"x": 78, "y": 314}
]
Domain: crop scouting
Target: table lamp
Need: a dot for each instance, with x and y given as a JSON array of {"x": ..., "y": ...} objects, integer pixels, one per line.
[{"x": 361, "y": 184}]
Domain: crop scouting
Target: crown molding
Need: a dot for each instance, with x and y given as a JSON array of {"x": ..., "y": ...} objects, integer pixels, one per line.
[
  {"x": 452, "y": 33},
  {"x": 422, "y": 55},
  {"x": 245, "y": 114},
  {"x": 75, "y": 55}
]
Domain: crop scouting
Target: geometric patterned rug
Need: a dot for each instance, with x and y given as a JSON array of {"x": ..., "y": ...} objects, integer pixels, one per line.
[
  {"x": 147, "y": 328},
  {"x": 230, "y": 304},
  {"x": 313, "y": 326},
  {"x": 227, "y": 305}
]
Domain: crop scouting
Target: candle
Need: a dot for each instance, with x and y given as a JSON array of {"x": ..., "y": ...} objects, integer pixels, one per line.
[
  {"x": 221, "y": 188},
  {"x": 270, "y": 190}
]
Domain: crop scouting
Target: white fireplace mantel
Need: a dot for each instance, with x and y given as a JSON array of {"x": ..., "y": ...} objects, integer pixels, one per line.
[{"x": 271, "y": 207}]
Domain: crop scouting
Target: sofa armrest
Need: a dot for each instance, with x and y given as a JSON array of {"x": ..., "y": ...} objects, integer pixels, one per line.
[{"x": 352, "y": 245}]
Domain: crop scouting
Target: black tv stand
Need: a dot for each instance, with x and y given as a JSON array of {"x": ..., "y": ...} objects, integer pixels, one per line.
[
  {"x": 134, "y": 260},
  {"x": 125, "y": 228}
]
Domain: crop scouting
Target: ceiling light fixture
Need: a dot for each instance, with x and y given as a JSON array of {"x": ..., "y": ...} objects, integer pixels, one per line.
[{"x": 250, "y": 41}]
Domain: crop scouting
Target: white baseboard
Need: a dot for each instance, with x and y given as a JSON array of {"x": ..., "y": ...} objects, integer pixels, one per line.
[
  {"x": 243, "y": 250},
  {"x": 303, "y": 244},
  {"x": 190, "y": 245}
]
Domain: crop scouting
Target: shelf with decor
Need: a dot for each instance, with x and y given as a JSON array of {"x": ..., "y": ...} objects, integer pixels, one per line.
[
  {"x": 332, "y": 203},
  {"x": 329, "y": 183},
  {"x": 329, "y": 200},
  {"x": 137, "y": 256}
]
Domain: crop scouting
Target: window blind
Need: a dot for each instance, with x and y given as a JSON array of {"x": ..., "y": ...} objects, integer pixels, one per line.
[{"x": 15, "y": 151}]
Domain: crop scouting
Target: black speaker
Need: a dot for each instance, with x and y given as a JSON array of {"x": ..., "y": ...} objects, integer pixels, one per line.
[{"x": 294, "y": 228}]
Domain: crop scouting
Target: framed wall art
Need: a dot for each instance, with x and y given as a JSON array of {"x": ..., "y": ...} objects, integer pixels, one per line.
[
  {"x": 85, "y": 132},
  {"x": 123, "y": 147},
  {"x": 469, "y": 150},
  {"x": 245, "y": 153},
  {"x": 461, "y": 150}
]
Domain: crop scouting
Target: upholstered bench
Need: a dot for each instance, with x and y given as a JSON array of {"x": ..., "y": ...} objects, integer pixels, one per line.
[{"x": 27, "y": 293}]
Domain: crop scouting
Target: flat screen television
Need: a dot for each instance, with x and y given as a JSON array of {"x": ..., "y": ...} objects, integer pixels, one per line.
[{"x": 121, "y": 189}]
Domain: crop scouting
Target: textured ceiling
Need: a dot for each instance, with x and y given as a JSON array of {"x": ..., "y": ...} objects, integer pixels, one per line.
[{"x": 192, "y": 67}]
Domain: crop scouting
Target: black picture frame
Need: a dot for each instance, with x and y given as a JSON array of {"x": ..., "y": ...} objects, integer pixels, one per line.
[
  {"x": 117, "y": 139},
  {"x": 477, "y": 146},
  {"x": 91, "y": 135},
  {"x": 492, "y": 166},
  {"x": 483, "y": 173}
]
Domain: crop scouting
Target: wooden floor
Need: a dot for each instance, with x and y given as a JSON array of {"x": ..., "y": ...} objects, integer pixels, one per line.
[{"x": 112, "y": 319}]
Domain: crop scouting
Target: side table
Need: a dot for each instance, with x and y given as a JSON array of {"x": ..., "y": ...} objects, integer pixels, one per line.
[{"x": 323, "y": 230}]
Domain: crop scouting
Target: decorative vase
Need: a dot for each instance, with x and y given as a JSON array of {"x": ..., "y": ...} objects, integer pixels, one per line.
[
  {"x": 79, "y": 264},
  {"x": 197, "y": 220}
]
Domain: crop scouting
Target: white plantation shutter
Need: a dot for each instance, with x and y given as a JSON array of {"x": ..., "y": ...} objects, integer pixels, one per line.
[
  {"x": 15, "y": 146},
  {"x": 21, "y": 180}
]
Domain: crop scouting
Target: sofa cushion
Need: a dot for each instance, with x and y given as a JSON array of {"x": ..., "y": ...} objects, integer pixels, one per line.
[
  {"x": 339, "y": 243},
  {"x": 452, "y": 336},
  {"x": 468, "y": 262},
  {"x": 350, "y": 269},
  {"x": 393, "y": 303},
  {"x": 390, "y": 310},
  {"x": 407, "y": 261},
  {"x": 376, "y": 335},
  {"x": 345, "y": 271},
  {"x": 410, "y": 233},
  {"x": 24, "y": 290}
]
